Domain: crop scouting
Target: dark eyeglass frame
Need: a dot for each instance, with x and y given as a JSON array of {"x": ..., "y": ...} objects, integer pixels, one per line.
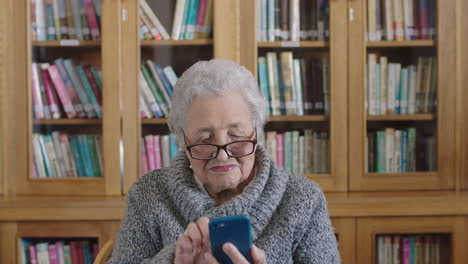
[{"x": 223, "y": 147}]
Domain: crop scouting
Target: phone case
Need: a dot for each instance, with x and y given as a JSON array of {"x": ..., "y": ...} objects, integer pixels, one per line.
[{"x": 233, "y": 229}]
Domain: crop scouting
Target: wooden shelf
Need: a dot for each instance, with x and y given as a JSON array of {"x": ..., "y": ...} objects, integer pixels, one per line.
[
  {"x": 292, "y": 44},
  {"x": 67, "y": 43},
  {"x": 404, "y": 174},
  {"x": 65, "y": 121},
  {"x": 154, "y": 121},
  {"x": 195, "y": 42},
  {"x": 305, "y": 118},
  {"x": 415, "y": 117},
  {"x": 77, "y": 179},
  {"x": 399, "y": 44}
]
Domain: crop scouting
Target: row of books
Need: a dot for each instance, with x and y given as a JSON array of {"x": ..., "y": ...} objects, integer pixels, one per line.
[
  {"x": 82, "y": 251},
  {"x": 395, "y": 89},
  {"x": 292, "y": 20},
  {"x": 192, "y": 20},
  {"x": 60, "y": 155},
  {"x": 157, "y": 151},
  {"x": 401, "y": 20},
  {"x": 66, "y": 19},
  {"x": 393, "y": 150},
  {"x": 294, "y": 86},
  {"x": 66, "y": 89},
  {"x": 409, "y": 249},
  {"x": 300, "y": 153},
  {"x": 156, "y": 84}
]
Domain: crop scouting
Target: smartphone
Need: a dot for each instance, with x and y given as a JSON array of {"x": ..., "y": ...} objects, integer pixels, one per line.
[{"x": 233, "y": 229}]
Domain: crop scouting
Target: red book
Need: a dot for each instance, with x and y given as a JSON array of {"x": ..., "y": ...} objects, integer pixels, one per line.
[
  {"x": 202, "y": 8},
  {"x": 51, "y": 96},
  {"x": 405, "y": 251},
  {"x": 92, "y": 82},
  {"x": 74, "y": 252},
  {"x": 92, "y": 19}
]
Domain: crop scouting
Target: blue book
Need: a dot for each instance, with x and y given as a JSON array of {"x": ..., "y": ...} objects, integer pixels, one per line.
[
  {"x": 413, "y": 249},
  {"x": 87, "y": 252},
  {"x": 263, "y": 80},
  {"x": 173, "y": 149},
  {"x": 97, "y": 77},
  {"x": 183, "y": 29},
  {"x": 93, "y": 153},
  {"x": 170, "y": 75},
  {"x": 85, "y": 152},
  {"x": 25, "y": 251},
  {"x": 89, "y": 91},
  {"x": 191, "y": 19},
  {"x": 380, "y": 142},
  {"x": 77, "y": 155},
  {"x": 167, "y": 85},
  {"x": 404, "y": 147},
  {"x": 50, "y": 25}
]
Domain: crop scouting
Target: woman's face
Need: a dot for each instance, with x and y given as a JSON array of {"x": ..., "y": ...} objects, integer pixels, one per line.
[{"x": 220, "y": 120}]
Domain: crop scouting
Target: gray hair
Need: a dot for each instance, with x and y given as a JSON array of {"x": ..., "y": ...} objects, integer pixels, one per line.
[{"x": 216, "y": 77}]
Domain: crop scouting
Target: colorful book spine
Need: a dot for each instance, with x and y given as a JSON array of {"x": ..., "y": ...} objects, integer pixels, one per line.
[
  {"x": 52, "y": 254},
  {"x": 92, "y": 19},
  {"x": 89, "y": 91},
  {"x": 263, "y": 80},
  {"x": 191, "y": 19},
  {"x": 150, "y": 152},
  {"x": 67, "y": 83},
  {"x": 178, "y": 16},
  {"x": 62, "y": 92},
  {"x": 200, "y": 21},
  {"x": 157, "y": 151},
  {"x": 32, "y": 254},
  {"x": 71, "y": 70},
  {"x": 52, "y": 99},
  {"x": 280, "y": 149},
  {"x": 36, "y": 93}
]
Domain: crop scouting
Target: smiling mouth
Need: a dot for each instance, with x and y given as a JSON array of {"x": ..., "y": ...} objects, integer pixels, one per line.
[{"x": 225, "y": 168}]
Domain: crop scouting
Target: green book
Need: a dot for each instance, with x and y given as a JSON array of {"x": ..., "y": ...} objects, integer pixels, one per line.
[
  {"x": 157, "y": 95},
  {"x": 77, "y": 156},
  {"x": 94, "y": 155},
  {"x": 85, "y": 151},
  {"x": 288, "y": 151},
  {"x": 89, "y": 91},
  {"x": 380, "y": 142}
]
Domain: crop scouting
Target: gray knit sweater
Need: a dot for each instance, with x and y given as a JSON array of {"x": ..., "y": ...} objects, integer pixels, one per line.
[{"x": 288, "y": 214}]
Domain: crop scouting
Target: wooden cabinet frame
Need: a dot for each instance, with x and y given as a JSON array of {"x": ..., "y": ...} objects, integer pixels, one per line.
[
  {"x": 368, "y": 228},
  {"x": 444, "y": 177}
]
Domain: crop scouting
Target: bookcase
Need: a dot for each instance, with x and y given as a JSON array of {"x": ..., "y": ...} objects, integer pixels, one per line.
[
  {"x": 364, "y": 204},
  {"x": 441, "y": 122}
]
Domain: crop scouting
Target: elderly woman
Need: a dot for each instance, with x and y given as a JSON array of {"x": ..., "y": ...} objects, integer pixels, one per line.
[{"x": 218, "y": 117}]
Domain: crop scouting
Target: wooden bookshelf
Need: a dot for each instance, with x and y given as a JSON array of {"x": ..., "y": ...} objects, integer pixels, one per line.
[
  {"x": 305, "y": 118},
  {"x": 293, "y": 44},
  {"x": 400, "y": 44},
  {"x": 196, "y": 42},
  {"x": 415, "y": 117},
  {"x": 67, "y": 43},
  {"x": 154, "y": 121},
  {"x": 65, "y": 121}
]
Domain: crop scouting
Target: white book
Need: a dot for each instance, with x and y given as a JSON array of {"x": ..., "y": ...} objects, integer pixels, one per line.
[
  {"x": 383, "y": 84},
  {"x": 317, "y": 154},
  {"x": 389, "y": 19},
  {"x": 71, "y": 157},
  {"x": 263, "y": 21},
  {"x": 294, "y": 20},
  {"x": 178, "y": 16},
  {"x": 404, "y": 91},
  {"x": 149, "y": 24},
  {"x": 66, "y": 157},
  {"x": 398, "y": 20},
  {"x": 36, "y": 93},
  {"x": 371, "y": 83},
  {"x": 144, "y": 109},
  {"x": 165, "y": 151},
  {"x": 41, "y": 21},
  {"x": 408, "y": 19},
  {"x": 389, "y": 149},
  {"x": 154, "y": 19},
  {"x": 371, "y": 21},
  {"x": 38, "y": 158},
  {"x": 272, "y": 65},
  {"x": 298, "y": 87},
  {"x": 412, "y": 89},
  {"x": 75, "y": 5},
  {"x": 391, "y": 88},
  {"x": 380, "y": 250},
  {"x": 60, "y": 156},
  {"x": 170, "y": 75},
  {"x": 55, "y": 169},
  {"x": 55, "y": 6},
  {"x": 148, "y": 95}
]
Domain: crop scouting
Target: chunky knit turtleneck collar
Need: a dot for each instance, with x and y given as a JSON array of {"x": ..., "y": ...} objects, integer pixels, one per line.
[{"x": 258, "y": 200}]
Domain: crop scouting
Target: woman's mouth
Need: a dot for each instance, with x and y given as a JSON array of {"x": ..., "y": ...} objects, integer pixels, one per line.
[{"x": 224, "y": 168}]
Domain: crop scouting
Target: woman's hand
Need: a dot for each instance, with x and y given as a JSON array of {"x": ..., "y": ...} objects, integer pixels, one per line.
[
  {"x": 258, "y": 255},
  {"x": 192, "y": 246}
]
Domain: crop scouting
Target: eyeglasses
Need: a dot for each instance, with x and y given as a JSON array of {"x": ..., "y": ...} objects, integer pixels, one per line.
[{"x": 235, "y": 149}]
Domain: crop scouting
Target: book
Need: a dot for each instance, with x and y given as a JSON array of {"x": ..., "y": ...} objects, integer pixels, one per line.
[{"x": 178, "y": 16}]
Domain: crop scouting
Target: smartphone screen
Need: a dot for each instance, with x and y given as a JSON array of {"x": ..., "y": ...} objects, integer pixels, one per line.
[{"x": 233, "y": 229}]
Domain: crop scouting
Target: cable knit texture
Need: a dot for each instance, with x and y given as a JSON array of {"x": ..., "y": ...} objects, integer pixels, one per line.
[{"x": 288, "y": 214}]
